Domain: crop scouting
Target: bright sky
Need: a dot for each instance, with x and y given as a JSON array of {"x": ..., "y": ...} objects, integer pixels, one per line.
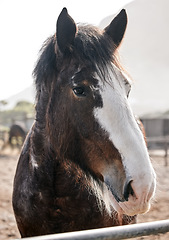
[{"x": 25, "y": 24}]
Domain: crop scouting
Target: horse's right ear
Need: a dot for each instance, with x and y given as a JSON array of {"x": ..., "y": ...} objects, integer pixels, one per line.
[
  {"x": 65, "y": 31},
  {"x": 117, "y": 27}
]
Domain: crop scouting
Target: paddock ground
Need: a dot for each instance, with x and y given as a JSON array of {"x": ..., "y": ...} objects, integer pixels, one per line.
[{"x": 8, "y": 161}]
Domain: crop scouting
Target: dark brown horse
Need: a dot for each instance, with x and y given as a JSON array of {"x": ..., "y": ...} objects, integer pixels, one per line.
[
  {"x": 16, "y": 134},
  {"x": 85, "y": 163}
]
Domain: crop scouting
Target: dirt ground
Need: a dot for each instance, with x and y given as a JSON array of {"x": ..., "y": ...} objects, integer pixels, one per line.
[{"x": 8, "y": 162}]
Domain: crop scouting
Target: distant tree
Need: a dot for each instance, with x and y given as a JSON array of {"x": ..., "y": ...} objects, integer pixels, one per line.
[
  {"x": 21, "y": 110},
  {"x": 3, "y": 102},
  {"x": 24, "y": 106},
  {"x": 166, "y": 113}
]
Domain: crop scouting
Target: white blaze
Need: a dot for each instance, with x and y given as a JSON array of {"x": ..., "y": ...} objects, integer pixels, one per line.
[{"x": 116, "y": 118}]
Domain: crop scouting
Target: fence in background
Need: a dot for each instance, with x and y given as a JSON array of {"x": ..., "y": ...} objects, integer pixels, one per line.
[{"x": 157, "y": 133}]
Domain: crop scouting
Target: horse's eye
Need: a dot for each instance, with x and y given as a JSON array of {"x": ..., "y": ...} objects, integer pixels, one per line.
[{"x": 79, "y": 91}]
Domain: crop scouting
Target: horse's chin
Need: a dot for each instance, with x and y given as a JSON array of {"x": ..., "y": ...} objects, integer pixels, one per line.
[
  {"x": 115, "y": 204},
  {"x": 131, "y": 207}
]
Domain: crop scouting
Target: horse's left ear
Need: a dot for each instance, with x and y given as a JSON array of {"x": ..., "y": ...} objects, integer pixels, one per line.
[
  {"x": 117, "y": 27},
  {"x": 65, "y": 30}
]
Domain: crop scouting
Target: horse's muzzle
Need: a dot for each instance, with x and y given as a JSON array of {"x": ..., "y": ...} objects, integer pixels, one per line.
[{"x": 133, "y": 198}]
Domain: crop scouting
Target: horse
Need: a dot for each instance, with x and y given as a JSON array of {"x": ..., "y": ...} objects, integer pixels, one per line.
[
  {"x": 17, "y": 134},
  {"x": 84, "y": 163}
]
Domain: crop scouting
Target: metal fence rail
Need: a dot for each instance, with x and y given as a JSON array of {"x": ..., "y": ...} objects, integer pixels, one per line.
[{"x": 112, "y": 233}]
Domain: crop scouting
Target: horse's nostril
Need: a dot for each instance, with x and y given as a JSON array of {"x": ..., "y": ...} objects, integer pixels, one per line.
[{"x": 128, "y": 190}]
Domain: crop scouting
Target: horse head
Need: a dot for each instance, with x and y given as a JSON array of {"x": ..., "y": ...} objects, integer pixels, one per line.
[{"x": 83, "y": 107}]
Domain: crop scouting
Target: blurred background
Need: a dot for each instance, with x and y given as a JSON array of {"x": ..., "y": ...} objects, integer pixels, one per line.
[{"x": 144, "y": 53}]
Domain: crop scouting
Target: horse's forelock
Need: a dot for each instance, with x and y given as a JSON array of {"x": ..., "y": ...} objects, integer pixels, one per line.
[
  {"x": 91, "y": 47},
  {"x": 95, "y": 48}
]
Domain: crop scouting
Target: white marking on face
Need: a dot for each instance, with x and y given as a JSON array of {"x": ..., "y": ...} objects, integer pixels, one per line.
[
  {"x": 117, "y": 120},
  {"x": 33, "y": 161}
]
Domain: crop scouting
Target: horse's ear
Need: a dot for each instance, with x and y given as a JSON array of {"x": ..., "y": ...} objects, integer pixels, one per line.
[
  {"x": 65, "y": 30},
  {"x": 117, "y": 27}
]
